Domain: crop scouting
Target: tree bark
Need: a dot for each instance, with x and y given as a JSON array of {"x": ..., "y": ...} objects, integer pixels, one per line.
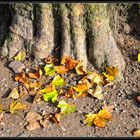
[{"x": 84, "y": 32}]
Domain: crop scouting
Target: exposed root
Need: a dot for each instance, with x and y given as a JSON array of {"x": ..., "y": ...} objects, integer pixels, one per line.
[{"x": 44, "y": 38}]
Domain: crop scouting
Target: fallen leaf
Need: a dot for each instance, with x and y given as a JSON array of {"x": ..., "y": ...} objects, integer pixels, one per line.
[
  {"x": 138, "y": 99},
  {"x": 97, "y": 92},
  {"x": 1, "y": 118},
  {"x": 1, "y": 109},
  {"x": 36, "y": 75},
  {"x": 33, "y": 125},
  {"x": 108, "y": 108},
  {"x": 139, "y": 57},
  {"x": 80, "y": 70},
  {"x": 20, "y": 56},
  {"x": 100, "y": 119},
  {"x": 136, "y": 133},
  {"x": 16, "y": 106},
  {"x": 85, "y": 81},
  {"x": 49, "y": 69},
  {"x": 66, "y": 108},
  {"x": 110, "y": 73},
  {"x": 81, "y": 94},
  {"x": 44, "y": 121},
  {"x": 58, "y": 81},
  {"x": 50, "y": 96},
  {"x": 48, "y": 88},
  {"x": 61, "y": 69},
  {"x": 17, "y": 66},
  {"x": 56, "y": 118},
  {"x": 81, "y": 87},
  {"x": 36, "y": 85},
  {"x": 14, "y": 94},
  {"x": 38, "y": 98},
  {"x": 69, "y": 62},
  {"x": 70, "y": 93},
  {"x": 22, "y": 91},
  {"x": 23, "y": 79},
  {"x": 32, "y": 116}
]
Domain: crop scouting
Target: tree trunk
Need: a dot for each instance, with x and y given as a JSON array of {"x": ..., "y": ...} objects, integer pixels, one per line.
[{"x": 81, "y": 30}]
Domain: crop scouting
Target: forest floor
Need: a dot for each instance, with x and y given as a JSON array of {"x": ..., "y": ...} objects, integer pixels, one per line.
[{"x": 123, "y": 95}]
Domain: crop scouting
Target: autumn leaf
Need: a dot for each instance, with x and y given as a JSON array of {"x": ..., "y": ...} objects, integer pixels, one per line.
[
  {"x": 70, "y": 93},
  {"x": 49, "y": 69},
  {"x": 37, "y": 98},
  {"x": 35, "y": 75},
  {"x": 35, "y": 85},
  {"x": 23, "y": 79},
  {"x": 139, "y": 57},
  {"x": 136, "y": 133},
  {"x": 80, "y": 70},
  {"x": 44, "y": 121},
  {"x": 16, "y": 106},
  {"x": 66, "y": 108},
  {"x": 81, "y": 94},
  {"x": 97, "y": 92},
  {"x": 58, "y": 81},
  {"x": 89, "y": 121},
  {"x": 61, "y": 69},
  {"x": 110, "y": 73},
  {"x": 85, "y": 81},
  {"x": 81, "y": 87},
  {"x": 50, "y": 96},
  {"x": 56, "y": 118},
  {"x": 22, "y": 91},
  {"x": 14, "y": 94},
  {"x": 95, "y": 78},
  {"x": 20, "y": 56},
  {"x": 33, "y": 125},
  {"x": 100, "y": 119},
  {"x": 1, "y": 109},
  {"x": 69, "y": 62},
  {"x": 48, "y": 88}
]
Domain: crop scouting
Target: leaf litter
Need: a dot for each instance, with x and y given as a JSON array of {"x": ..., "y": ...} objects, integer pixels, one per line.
[{"x": 31, "y": 82}]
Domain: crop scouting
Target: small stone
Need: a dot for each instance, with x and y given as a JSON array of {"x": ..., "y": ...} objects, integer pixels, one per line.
[{"x": 17, "y": 66}]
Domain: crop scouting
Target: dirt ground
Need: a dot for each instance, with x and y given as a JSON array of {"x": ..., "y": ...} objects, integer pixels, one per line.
[{"x": 122, "y": 95}]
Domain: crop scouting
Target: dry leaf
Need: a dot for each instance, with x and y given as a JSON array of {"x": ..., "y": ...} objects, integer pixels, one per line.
[
  {"x": 36, "y": 85},
  {"x": 111, "y": 73},
  {"x": 139, "y": 57},
  {"x": 44, "y": 121},
  {"x": 138, "y": 99},
  {"x": 136, "y": 133},
  {"x": 81, "y": 94},
  {"x": 80, "y": 70},
  {"x": 97, "y": 92},
  {"x": 1, "y": 118},
  {"x": 70, "y": 93},
  {"x": 20, "y": 56},
  {"x": 85, "y": 81},
  {"x": 33, "y": 125},
  {"x": 61, "y": 69},
  {"x": 14, "y": 94},
  {"x": 16, "y": 106},
  {"x": 81, "y": 87},
  {"x": 22, "y": 91},
  {"x": 56, "y": 118},
  {"x": 69, "y": 62},
  {"x": 36, "y": 75},
  {"x": 49, "y": 88},
  {"x": 38, "y": 98},
  {"x": 32, "y": 116},
  {"x": 108, "y": 108}
]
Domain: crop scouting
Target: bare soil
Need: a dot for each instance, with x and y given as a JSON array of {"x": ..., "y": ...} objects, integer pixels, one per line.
[{"x": 122, "y": 95}]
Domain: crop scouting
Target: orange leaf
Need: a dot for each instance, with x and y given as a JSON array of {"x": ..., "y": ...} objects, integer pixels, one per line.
[
  {"x": 56, "y": 118},
  {"x": 80, "y": 70},
  {"x": 35, "y": 75},
  {"x": 61, "y": 69},
  {"x": 69, "y": 62},
  {"x": 70, "y": 93}
]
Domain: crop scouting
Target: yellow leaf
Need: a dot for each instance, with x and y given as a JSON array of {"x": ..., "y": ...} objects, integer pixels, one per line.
[
  {"x": 20, "y": 56},
  {"x": 48, "y": 89},
  {"x": 1, "y": 109},
  {"x": 80, "y": 70},
  {"x": 81, "y": 87},
  {"x": 35, "y": 85},
  {"x": 111, "y": 73},
  {"x": 14, "y": 94},
  {"x": 136, "y": 133},
  {"x": 16, "y": 106},
  {"x": 139, "y": 57},
  {"x": 58, "y": 81}
]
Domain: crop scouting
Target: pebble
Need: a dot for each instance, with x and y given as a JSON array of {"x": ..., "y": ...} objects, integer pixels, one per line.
[{"x": 17, "y": 66}]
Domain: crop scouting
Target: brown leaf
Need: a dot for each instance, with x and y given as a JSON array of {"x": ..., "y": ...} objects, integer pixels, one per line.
[
  {"x": 56, "y": 118},
  {"x": 44, "y": 121},
  {"x": 36, "y": 85},
  {"x": 22, "y": 91},
  {"x": 32, "y": 116},
  {"x": 38, "y": 98},
  {"x": 33, "y": 125},
  {"x": 1, "y": 118},
  {"x": 69, "y": 93},
  {"x": 35, "y": 75},
  {"x": 138, "y": 99},
  {"x": 108, "y": 108}
]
